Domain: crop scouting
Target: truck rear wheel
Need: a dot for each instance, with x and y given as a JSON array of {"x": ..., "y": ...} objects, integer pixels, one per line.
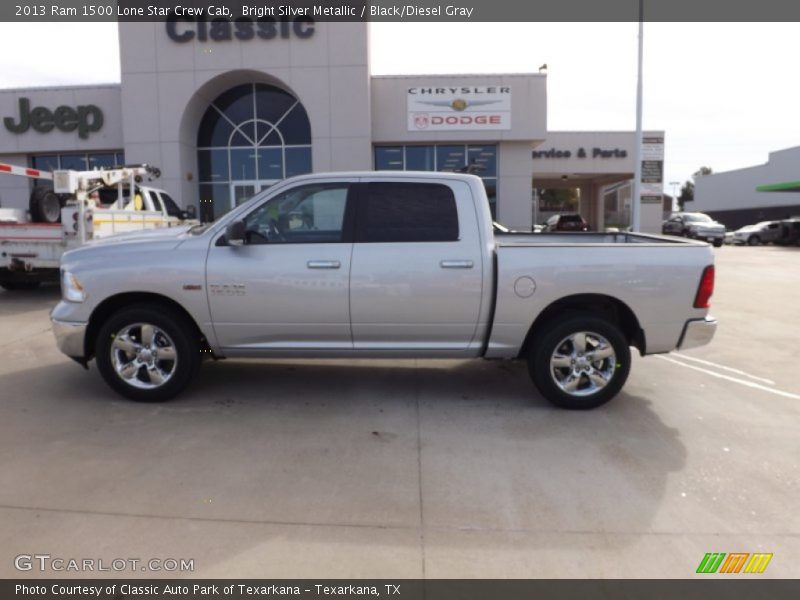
[
  {"x": 44, "y": 205},
  {"x": 579, "y": 363},
  {"x": 148, "y": 353}
]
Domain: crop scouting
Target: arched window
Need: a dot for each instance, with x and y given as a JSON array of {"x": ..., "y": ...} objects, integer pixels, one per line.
[{"x": 250, "y": 137}]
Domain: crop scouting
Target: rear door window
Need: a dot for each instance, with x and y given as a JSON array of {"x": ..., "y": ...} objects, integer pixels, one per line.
[{"x": 406, "y": 212}]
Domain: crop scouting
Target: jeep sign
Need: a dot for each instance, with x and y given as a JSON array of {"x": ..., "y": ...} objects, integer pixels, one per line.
[{"x": 83, "y": 119}]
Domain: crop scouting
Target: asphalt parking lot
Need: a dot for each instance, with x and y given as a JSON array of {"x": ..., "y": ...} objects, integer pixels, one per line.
[{"x": 403, "y": 469}]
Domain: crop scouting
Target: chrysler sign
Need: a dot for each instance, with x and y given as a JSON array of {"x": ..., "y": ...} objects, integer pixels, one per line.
[{"x": 459, "y": 108}]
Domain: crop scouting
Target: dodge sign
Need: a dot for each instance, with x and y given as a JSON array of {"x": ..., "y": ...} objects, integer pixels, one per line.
[{"x": 459, "y": 108}]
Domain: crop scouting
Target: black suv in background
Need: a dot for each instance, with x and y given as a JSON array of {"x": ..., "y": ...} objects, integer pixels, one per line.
[{"x": 568, "y": 222}]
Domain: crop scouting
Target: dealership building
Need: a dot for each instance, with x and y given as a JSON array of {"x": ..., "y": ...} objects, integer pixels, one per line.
[
  {"x": 225, "y": 109},
  {"x": 759, "y": 193}
]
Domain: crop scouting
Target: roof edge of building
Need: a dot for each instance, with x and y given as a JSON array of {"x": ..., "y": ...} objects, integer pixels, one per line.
[
  {"x": 454, "y": 75},
  {"x": 47, "y": 88}
]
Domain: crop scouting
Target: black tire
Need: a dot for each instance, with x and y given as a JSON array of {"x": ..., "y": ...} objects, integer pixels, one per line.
[
  {"x": 176, "y": 331},
  {"x": 718, "y": 243},
  {"x": 44, "y": 205},
  {"x": 554, "y": 336},
  {"x": 753, "y": 240},
  {"x": 15, "y": 286}
]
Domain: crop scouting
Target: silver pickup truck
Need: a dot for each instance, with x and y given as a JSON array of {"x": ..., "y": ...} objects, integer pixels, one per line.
[{"x": 384, "y": 265}]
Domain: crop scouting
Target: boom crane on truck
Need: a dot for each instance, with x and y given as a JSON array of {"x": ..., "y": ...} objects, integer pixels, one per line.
[{"x": 72, "y": 214}]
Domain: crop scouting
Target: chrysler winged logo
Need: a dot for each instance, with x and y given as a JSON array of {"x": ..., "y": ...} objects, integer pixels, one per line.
[{"x": 459, "y": 104}]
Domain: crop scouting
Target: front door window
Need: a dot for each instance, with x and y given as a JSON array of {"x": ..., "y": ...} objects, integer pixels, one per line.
[{"x": 242, "y": 191}]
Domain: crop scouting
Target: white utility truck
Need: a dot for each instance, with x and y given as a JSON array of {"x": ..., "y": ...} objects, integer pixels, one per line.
[{"x": 80, "y": 206}]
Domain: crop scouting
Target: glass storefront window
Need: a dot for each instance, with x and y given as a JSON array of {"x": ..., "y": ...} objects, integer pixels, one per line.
[
  {"x": 444, "y": 157},
  {"x": 389, "y": 158},
  {"x": 77, "y": 162},
  {"x": 419, "y": 158},
  {"x": 484, "y": 158},
  {"x": 45, "y": 162},
  {"x": 243, "y": 164},
  {"x": 450, "y": 158},
  {"x": 213, "y": 165},
  {"x": 215, "y": 130},
  {"x": 249, "y": 137},
  {"x": 298, "y": 161},
  {"x": 270, "y": 163},
  {"x": 100, "y": 161}
]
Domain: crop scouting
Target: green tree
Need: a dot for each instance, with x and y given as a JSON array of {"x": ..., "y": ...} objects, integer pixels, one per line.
[{"x": 687, "y": 189}]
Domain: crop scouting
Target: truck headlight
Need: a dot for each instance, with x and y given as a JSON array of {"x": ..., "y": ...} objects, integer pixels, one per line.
[{"x": 71, "y": 288}]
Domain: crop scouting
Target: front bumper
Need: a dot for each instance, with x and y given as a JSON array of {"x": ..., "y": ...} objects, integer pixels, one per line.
[
  {"x": 697, "y": 332},
  {"x": 708, "y": 235},
  {"x": 70, "y": 338}
]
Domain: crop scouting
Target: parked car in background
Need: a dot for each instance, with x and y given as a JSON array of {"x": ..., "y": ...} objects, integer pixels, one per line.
[
  {"x": 765, "y": 232},
  {"x": 697, "y": 226},
  {"x": 790, "y": 232},
  {"x": 567, "y": 222}
]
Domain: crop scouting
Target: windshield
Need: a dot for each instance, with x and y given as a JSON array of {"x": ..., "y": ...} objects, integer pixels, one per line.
[
  {"x": 697, "y": 218},
  {"x": 170, "y": 206}
]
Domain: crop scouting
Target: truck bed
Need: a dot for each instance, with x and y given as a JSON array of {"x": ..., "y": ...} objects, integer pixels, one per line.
[
  {"x": 655, "y": 282},
  {"x": 586, "y": 238}
]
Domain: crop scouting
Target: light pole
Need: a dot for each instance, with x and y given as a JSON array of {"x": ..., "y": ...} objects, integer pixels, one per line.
[
  {"x": 675, "y": 185},
  {"x": 636, "y": 201}
]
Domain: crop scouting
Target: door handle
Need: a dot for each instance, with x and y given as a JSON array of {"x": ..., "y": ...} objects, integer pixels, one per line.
[
  {"x": 456, "y": 264},
  {"x": 323, "y": 264}
]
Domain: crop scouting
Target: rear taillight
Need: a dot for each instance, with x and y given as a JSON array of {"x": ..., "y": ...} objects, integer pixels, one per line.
[{"x": 705, "y": 289}]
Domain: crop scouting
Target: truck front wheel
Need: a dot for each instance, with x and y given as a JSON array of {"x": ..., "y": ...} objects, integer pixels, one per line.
[
  {"x": 579, "y": 363},
  {"x": 147, "y": 353}
]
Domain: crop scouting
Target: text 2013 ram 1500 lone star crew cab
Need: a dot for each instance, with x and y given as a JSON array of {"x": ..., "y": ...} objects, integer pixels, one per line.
[{"x": 380, "y": 264}]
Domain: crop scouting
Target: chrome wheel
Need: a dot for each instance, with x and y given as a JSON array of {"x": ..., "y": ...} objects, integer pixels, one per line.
[
  {"x": 583, "y": 363},
  {"x": 143, "y": 356}
]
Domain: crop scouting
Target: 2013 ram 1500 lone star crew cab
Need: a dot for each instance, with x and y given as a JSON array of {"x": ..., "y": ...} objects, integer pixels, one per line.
[{"x": 385, "y": 265}]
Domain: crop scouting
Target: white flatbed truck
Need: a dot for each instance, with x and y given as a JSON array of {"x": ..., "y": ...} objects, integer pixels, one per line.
[{"x": 30, "y": 251}]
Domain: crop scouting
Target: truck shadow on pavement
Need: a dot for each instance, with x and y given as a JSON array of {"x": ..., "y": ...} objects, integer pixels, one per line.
[{"x": 347, "y": 444}]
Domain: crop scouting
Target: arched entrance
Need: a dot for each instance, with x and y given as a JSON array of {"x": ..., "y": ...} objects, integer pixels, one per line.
[{"x": 249, "y": 137}]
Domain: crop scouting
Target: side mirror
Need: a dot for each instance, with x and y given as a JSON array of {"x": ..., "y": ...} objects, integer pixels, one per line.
[
  {"x": 191, "y": 212},
  {"x": 235, "y": 232}
]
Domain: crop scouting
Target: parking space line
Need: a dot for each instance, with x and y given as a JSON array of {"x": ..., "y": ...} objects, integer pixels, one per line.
[
  {"x": 751, "y": 384},
  {"x": 723, "y": 367}
]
